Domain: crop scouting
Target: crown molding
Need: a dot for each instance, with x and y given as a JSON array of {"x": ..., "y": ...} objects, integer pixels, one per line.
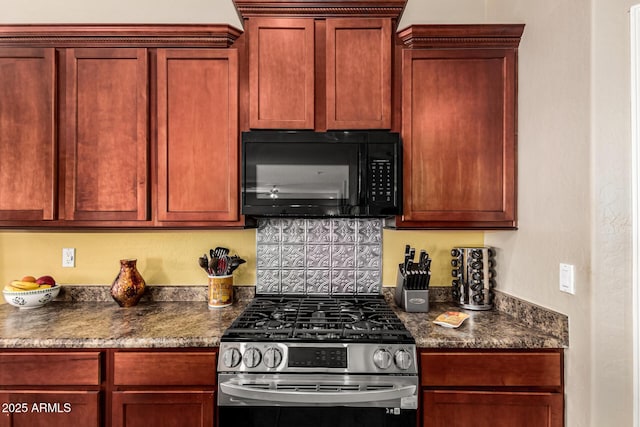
[
  {"x": 462, "y": 35},
  {"x": 321, "y": 9},
  {"x": 115, "y": 35}
]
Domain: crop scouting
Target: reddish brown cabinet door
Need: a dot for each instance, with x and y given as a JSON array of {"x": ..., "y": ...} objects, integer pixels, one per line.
[
  {"x": 27, "y": 134},
  {"x": 163, "y": 408},
  {"x": 324, "y": 74},
  {"x": 459, "y": 138},
  {"x": 492, "y": 388},
  {"x": 358, "y": 73},
  {"x": 49, "y": 408},
  {"x": 281, "y": 73},
  {"x": 198, "y": 141},
  {"x": 491, "y": 409},
  {"x": 106, "y": 134}
]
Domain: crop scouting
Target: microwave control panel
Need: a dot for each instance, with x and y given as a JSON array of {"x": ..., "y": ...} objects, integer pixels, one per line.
[{"x": 381, "y": 181}]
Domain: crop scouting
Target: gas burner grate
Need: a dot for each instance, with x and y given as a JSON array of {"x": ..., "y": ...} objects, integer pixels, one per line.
[{"x": 319, "y": 318}]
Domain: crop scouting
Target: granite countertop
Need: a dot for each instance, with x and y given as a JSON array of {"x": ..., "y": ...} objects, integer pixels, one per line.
[{"x": 162, "y": 321}]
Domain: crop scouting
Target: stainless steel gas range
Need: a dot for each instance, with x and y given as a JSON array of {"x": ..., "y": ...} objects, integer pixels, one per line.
[{"x": 317, "y": 361}]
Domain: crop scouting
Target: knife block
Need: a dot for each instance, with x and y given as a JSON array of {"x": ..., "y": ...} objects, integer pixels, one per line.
[{"x": 412, "y": 301}]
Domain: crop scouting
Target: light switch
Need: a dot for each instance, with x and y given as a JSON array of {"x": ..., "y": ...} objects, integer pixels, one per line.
[
  {"x": 567, "y": 279},
  {"x": 68, "y": 257}
]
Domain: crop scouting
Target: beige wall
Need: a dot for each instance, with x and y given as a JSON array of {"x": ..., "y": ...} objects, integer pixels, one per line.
[
  {"x": 554, "y": 203},
  {"x": 119, "y": 11},
  {"x": 574, "y": 167},
  {"x": 574, "y": 192},
  {"x": 611, "y": 223}
]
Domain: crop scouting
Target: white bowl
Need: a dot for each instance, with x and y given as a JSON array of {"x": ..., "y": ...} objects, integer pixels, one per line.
[{"x": 31, "y": 299}]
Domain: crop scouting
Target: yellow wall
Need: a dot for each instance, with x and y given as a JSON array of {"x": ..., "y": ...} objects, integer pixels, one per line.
[
  {"x": 164, "y": 257},
  {"x": 438, "y": 245},
  {"x": 170, "y": 257}
]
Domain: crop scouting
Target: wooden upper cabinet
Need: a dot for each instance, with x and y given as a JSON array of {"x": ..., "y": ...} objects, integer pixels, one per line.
[
  {"x": 358, "y": 73},
  {"x": 83, "y": 109},
  {"x": 281, "y": 73},
  {"x": 320, "y": 74},
  {"x": 459, "y": 128},
  {"x": 198, "y": 135},
  {"x": 28, "y": 151},
  {"x": 107, "y": 134}
]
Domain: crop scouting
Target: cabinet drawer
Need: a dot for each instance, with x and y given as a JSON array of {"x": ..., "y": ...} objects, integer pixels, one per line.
[
  {"x": 44, "y": 369},
  {"x": 491, "y": 369},
  {"x": 164, "y": 368}
]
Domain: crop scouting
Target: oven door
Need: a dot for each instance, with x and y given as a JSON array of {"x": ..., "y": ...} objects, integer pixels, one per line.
[
  {"x": 317, "y": 400},
  {"x": 302, "y": 178}
]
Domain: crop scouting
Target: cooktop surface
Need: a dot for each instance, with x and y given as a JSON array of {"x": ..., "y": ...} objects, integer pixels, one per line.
[{"x": 352, "y": 318}]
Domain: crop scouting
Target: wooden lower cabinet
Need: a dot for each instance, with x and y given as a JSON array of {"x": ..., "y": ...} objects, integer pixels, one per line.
[
  {"x": 53, "y": 408},
  {"x": 491, "y": 409},
  {"x": 163, "y": 388},
  {"x": 108, "y": 387},
  {"x": 50, "y": 388},
  {"x": 163, "y": 408},
  {"x": 497, "y": 388}
]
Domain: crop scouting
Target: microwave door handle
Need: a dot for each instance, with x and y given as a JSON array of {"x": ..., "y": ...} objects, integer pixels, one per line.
[{"x": 276, "y": 396}]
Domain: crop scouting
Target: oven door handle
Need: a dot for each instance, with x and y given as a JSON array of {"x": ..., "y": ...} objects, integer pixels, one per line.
[{"x": 277, "y": 396}]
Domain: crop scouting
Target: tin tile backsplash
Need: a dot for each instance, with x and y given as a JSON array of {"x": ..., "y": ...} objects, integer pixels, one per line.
[{"x": 319, "y": 256}]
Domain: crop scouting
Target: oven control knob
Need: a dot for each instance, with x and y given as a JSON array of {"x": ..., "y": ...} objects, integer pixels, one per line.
[
  {"x": 382, "y": 358},
  {"x": 252, "y": 357},
  {"x": 272, "y": 357},
  {"x": 402, "y": 359},
  {"x": 231, "y": 357}
]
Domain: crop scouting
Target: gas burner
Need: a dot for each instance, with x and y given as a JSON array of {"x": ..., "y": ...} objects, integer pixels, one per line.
[
  {"x": 270, "y": 324},
  {"x": 318, "y": 319},
  {"x": 283, "y": 313},
  {"x": 360, "y": 325},
  {"x": 361, "y": 318}
]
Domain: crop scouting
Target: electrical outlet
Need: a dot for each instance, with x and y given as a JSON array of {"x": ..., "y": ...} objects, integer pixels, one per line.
[
  {"x": 68, "y": 257},
  {"x": 567, "y": 279}
]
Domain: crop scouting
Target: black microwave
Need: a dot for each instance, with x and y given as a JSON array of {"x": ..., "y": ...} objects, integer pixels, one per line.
[{"x": 321, "y": 174}]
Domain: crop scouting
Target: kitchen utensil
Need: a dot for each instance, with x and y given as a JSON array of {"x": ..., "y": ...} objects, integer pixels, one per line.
[
  {"x": 223, "y": 266},
  {"x": 203, "y": 262},
  {"x": 413, "y": 280},
  {"x": 407, "y": 250},
  {"x": 234, "y": 262},
  {"x": 219, "y": 263},
  {"x": 213, "y": 266},
  {"x": 220, "y": 251}
]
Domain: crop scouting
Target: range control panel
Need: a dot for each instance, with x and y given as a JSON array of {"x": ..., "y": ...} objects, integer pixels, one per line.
[{"x": 304, "y": 357}]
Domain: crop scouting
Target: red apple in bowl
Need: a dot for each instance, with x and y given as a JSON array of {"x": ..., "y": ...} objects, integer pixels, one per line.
[{"x": 46, "y": 280}]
